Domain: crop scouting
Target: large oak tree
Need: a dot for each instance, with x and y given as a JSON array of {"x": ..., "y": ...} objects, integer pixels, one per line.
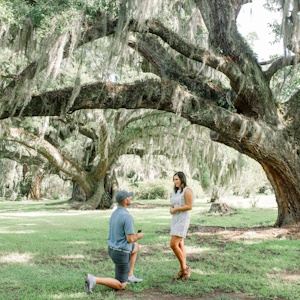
[
  {"x": 182, "y": 45},
  {"x": 86, "y": 146}
]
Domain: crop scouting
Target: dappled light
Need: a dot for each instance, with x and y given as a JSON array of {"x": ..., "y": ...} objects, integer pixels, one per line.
[
  {"x": 77, "y": 242},
  {"x": 100, "y": 96},
  {"x": 196, "y": 250},
  {"x": 285, "y": 275},
  {"x": 10, "y": 231},
  {"x": 246, "y": 235},
  {"x": 69, "y": 296},
  {"x": 16, "y": 258}
]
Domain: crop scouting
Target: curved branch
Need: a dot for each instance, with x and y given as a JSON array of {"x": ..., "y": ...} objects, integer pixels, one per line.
[
  {"x": 168, "y": 68},
  {"x": 82, "y": 128},
  {"x": 268, "y": 62},
  {"x": 44, "y": 148},
  {"x": 101, "y": 28},
  {"x": 152, "y": 94},
  {"x": 281, "y": 63},
  {"x": 190, "y": 51},
  {"x": 21, "y": 159}
]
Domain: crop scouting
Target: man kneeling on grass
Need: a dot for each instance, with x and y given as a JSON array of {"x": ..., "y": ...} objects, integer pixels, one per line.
[{"x": 122, "y": 247}]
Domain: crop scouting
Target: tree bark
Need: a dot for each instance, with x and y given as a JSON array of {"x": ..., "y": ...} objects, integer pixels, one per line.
[
  {"x": 94, "y": 201},
  {"x": 111, "y": 185},
  {"x": 37, "y": 184},
  {"x": 78, "y": 194},
  {"x": 287, "y": 194}
]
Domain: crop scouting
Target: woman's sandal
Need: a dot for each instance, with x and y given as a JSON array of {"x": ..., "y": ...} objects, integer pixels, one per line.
[
  {"x": 186, "y": 273},
  {"x": 179, "y": 275}
]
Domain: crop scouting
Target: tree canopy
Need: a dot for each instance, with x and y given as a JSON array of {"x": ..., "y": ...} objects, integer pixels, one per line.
[{"x": 184, "y": 57}]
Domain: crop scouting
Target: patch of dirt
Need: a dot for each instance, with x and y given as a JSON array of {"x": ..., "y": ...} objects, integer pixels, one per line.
[
  {"x": 101, "y": 253},
  {"x": 286, "y": 276},
  {"x": 246, "y": 233},
  {"x": 158, "y": 295}
]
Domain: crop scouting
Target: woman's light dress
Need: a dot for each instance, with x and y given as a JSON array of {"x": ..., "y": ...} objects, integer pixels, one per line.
[{"x": 181, "y": 219}]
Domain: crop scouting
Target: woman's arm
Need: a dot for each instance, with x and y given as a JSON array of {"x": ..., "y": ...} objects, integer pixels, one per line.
[{"x": 188, "y": 195}]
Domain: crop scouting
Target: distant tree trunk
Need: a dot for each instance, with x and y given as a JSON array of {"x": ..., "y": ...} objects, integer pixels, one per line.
[
  {"x": 219, "y": 208},
  {"x": 32, "y": 182},
  {"x": 111, "y": 185},
  {"x": 215, "y": 195},
  {"x": 37, "y": 180},
  {"x": 78, "y": 193},
  {"x": 26, "y": 182}
]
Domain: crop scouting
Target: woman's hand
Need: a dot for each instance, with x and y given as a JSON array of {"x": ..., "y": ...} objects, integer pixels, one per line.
[{"x": 172, "y": 210}]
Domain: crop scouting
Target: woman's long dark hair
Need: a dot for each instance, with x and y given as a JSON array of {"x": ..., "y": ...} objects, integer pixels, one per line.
[{"x": 183, "y": 181}]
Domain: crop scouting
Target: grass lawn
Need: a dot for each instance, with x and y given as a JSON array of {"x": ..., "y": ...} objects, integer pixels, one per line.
[{"x": 46, "y": 249}]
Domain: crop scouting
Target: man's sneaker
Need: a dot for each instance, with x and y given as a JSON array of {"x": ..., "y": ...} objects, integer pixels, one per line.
[
  {"x": 90, "y": 281},
  {"x": 132, "y": 278}
]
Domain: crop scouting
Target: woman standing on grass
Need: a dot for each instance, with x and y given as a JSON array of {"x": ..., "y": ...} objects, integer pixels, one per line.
[{"x": 181, "y": 203}]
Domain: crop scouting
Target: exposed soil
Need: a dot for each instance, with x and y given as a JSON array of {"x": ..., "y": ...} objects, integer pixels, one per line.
[
  {"x": 237, "y": 233},
  {"x": 158, "y": 295}
]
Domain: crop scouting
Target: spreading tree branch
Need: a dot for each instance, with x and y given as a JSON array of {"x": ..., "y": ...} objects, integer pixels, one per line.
[
  {"x": 280, "y": 63},
  {"x": 47, "y": 150}
]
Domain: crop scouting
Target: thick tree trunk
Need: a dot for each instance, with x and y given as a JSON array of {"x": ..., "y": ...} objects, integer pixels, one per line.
[
  {"x": 94, "y": 200},
  {"x": 102, "y": 193},
  {"x": 287, "y": 192}
]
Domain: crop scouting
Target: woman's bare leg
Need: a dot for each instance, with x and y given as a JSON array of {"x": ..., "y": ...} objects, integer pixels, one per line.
[
  {"x": 178, "y": 249},
  {"x": 181, "y": 245}
]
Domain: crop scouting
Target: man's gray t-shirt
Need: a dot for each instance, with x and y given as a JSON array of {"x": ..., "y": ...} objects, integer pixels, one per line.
[{"x": 120, "y": 224}]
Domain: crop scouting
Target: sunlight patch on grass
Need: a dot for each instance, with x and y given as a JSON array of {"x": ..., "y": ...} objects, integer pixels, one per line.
[
  {"x": 74, "y": 256},
  {"x": 164, "y": 237},
  {"x": 69, "y": 296},
  {"x": 45, "y": 213},
  {"x": 167, "y": 259},
  {"x": 252, "y": 242},
  {"x": 280, "y": 247},
  {"x": 77, "y": 243},
  {"x": 152, "y": 218},
  {"x": 195, "y": 250},
  {"x": 167, "y": 251},
  {"x": 200, "y": 272},
  {"x": 263, "y": 234},
  {"x": 17, "y": 231},
  {"x": 16, "y": 258},
  {"x": 286, "y": 276}
]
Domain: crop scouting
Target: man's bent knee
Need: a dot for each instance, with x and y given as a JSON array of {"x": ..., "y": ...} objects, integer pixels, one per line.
[{"x": 121, "y": 286}]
